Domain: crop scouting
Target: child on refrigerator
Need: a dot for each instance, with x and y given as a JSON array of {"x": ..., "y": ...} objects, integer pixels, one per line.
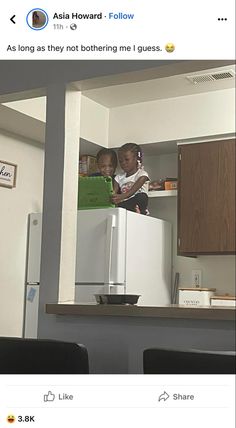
[
  {"x": 131, "y": 187},
  {"x": 107, "y": 163}
]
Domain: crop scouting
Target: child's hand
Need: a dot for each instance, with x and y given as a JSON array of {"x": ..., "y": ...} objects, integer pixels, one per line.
[{"x": 117, "y": 198}]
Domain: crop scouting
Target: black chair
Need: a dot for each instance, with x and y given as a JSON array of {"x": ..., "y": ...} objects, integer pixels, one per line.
[
  {"x": 172, "y": 361},
  {"x": 39, "y": 356}
]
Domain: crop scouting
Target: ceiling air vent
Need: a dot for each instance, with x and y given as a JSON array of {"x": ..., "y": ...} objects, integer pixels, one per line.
[
  {"x": 202, "y": 78},
  {"x": 225, "y": 75}
]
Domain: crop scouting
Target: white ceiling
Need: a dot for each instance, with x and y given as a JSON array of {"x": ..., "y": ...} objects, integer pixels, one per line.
[
  {"x": 160, "y": 88},
  {"x": 121, "y": 89},
  {"x": 138, "y": 87}
]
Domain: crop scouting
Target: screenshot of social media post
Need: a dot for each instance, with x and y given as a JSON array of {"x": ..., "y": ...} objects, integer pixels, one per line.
[
  {"x": 117, "y": 214},
  {"x": 127, "y": 30}
]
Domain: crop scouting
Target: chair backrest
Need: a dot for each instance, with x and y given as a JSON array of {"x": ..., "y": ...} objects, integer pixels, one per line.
[
  {"x": 39, "y": 356},
  {"x": 172, "y": 361}
]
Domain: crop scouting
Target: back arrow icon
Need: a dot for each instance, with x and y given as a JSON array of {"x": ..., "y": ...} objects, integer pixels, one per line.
[{"x": 12, "y": 19}]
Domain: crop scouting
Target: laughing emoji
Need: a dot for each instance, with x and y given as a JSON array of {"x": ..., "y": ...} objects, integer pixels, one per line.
[
  {"x": 11, "y": 419},
  {"x": 169, "y": 47}
]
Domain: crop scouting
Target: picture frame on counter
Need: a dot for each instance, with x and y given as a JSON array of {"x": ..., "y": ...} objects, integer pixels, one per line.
[{"x": 8, "y": 174}]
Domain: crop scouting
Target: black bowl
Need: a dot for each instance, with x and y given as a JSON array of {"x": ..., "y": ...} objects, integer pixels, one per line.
[{"x": 117, "y": 299}]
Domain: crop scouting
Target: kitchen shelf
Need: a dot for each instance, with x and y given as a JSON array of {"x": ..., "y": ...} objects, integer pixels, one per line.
[{"x": 161, "y": 193}]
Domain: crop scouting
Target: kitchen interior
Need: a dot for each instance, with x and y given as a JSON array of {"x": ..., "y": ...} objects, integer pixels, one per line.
[{"x": 184, "y": 121}]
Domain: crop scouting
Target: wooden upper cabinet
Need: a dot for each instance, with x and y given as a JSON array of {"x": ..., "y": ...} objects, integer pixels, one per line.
[{"x": 206, "y": 198}]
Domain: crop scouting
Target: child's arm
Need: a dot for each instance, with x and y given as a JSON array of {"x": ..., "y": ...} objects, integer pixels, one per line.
[
  {"x": 116, "y": 189},
  {"x": 117, "y": 198},
  {"x": 115, "y": 186}
]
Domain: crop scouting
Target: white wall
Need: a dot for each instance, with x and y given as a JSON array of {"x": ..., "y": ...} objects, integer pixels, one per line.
[
  {"x": 94, "y": 122},
  {"x": 94, "y": 117},
  {"x": 180, "y": 118},
  {"x": 34, "y": 107},
  {"x": 209, "y": 113},
  {"x": 217, "y": 271},
  {"x": 15, "y": 205}
]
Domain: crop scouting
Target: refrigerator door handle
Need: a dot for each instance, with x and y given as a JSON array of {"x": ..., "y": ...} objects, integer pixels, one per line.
[{"x": 111, "y": 223}]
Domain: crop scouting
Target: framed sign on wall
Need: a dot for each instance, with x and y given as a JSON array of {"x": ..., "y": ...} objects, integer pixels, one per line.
[{"x": 7, "y": 174}]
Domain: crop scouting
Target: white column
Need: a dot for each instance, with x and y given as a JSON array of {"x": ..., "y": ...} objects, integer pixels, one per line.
[{"x": 58, "y": 254}]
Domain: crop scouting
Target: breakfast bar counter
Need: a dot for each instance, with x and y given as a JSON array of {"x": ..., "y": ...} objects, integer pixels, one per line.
[
  {"x": 116, "y": 335},
  {"x": 168, "y": 311}
]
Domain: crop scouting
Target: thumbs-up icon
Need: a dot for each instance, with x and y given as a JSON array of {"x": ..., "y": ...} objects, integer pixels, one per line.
[{"x": 49, "y": 396}]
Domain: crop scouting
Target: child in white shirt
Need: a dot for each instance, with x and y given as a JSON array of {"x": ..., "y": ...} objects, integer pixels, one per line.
[{"x": 131, "y": 187}]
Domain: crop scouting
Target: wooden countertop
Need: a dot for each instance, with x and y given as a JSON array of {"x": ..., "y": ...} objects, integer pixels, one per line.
[{"x": 168, "y": 311}]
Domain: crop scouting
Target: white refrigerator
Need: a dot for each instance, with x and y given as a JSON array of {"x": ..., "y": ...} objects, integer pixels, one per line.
[{"x": 118, "y": 251}]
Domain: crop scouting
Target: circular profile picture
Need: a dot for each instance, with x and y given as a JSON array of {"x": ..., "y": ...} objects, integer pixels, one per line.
[{"x": 37, "y": 19}]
